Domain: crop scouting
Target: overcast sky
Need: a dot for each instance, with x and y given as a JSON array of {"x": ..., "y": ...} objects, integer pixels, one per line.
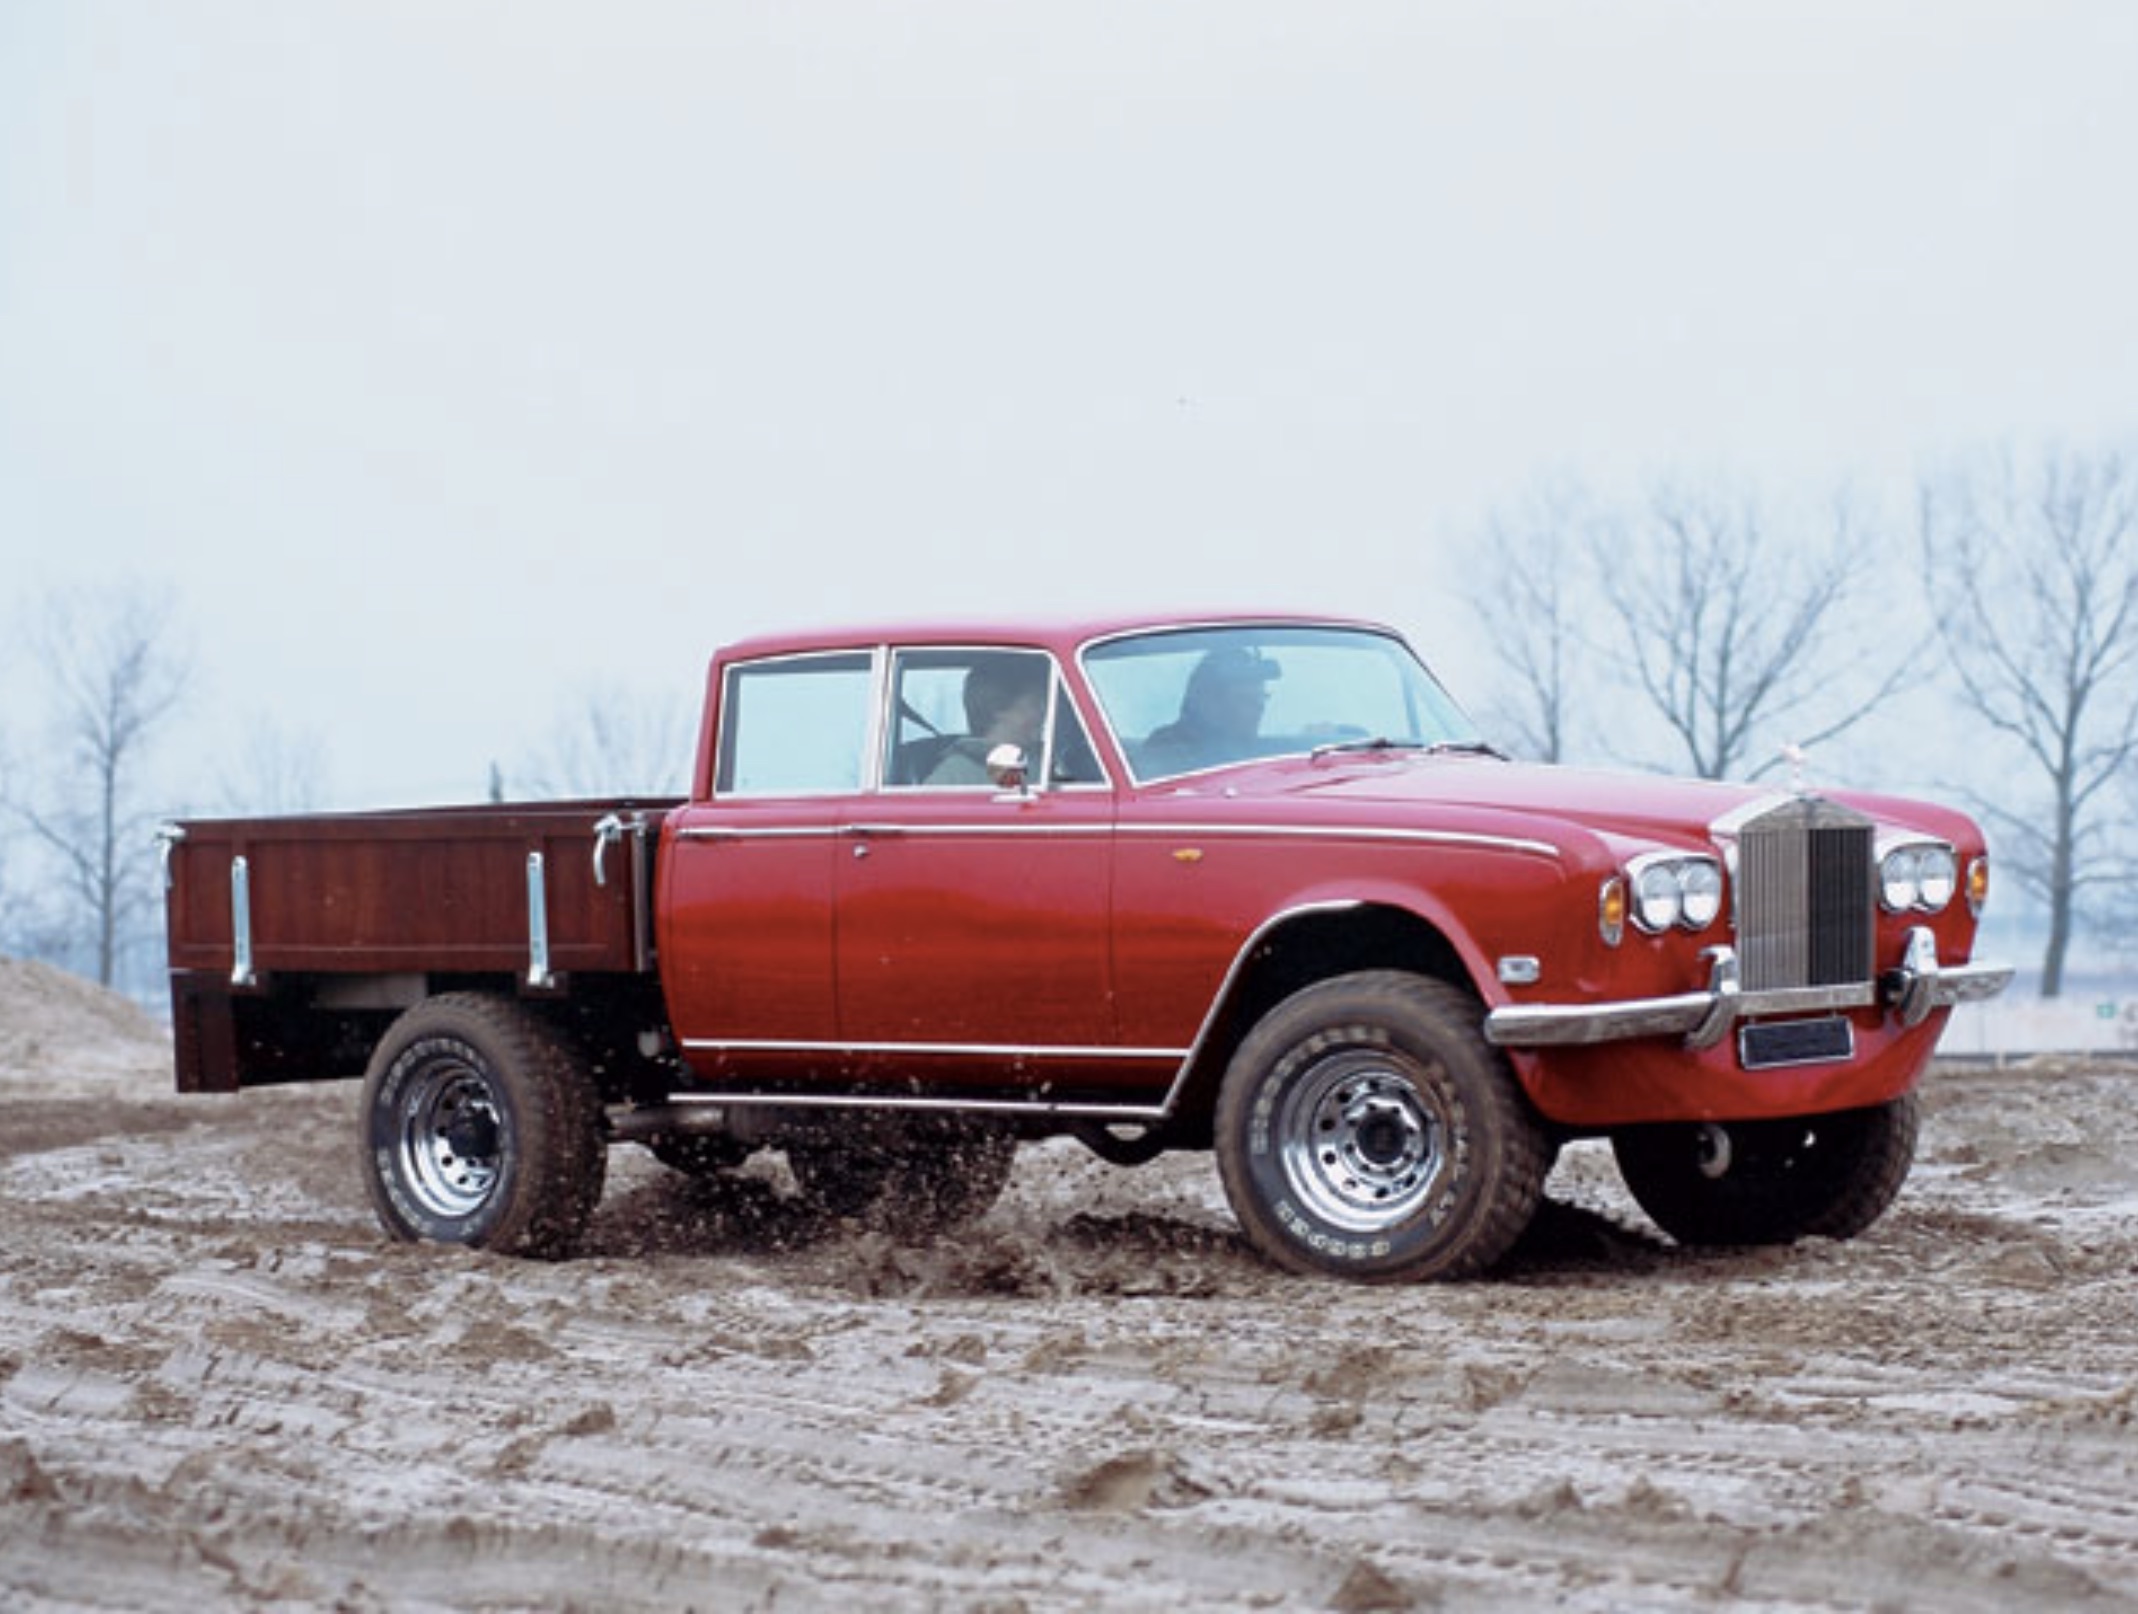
[{"x": 448, "y": 359}]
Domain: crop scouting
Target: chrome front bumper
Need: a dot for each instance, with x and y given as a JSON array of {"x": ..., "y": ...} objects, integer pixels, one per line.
[{"x": 1703, "y": 1019}]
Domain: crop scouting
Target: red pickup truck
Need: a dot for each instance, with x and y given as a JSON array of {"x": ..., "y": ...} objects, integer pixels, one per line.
[{"x": 1246, "y": 884}]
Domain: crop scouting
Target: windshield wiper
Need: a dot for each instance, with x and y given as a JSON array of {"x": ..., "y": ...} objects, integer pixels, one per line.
[
  {"x": 1432, "y": 748},
  {"x": 1464, "y": 748},
  {"x": 1374, "y": 742}
]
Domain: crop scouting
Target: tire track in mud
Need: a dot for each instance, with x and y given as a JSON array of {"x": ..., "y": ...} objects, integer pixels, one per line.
[{"x": 217, "y": 1382}]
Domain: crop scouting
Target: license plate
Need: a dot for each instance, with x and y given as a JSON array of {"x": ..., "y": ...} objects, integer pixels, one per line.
[{"x": 1795, "y": 1042}]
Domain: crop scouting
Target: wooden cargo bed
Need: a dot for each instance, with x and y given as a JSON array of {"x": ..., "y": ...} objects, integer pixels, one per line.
[{"x": 298, "y": 923}]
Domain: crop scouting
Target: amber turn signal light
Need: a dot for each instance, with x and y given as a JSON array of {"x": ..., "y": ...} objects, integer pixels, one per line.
[
  {"x": 1978, "y": 885},
  {"x": 1611, "y": 910}
]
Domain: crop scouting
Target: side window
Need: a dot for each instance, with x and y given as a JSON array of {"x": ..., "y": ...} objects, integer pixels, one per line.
[
  {"x": 794, "y": 727},
  {"x": 1072, "y": 761},
  {"x": 950, "y": 708}
]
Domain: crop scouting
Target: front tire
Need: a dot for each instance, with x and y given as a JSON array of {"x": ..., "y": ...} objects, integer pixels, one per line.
[
  {"x": 482, "y": 1127},
  {"x": 1770, "y": 1182},
  {"x": 1366, "y": 1129}
]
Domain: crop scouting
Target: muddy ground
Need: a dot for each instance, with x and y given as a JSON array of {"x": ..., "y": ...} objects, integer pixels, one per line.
[{"x": 220, "y": 1387}]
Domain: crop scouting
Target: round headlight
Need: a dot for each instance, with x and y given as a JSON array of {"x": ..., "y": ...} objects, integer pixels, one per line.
[
  {"x": 1937, "y": 877},
  {"x": 1699, "y": 893},
  {"x": 1900, "y": 879},
  {"x": 1657, "y": 900},
  {"x": 1922, "y": 876}
]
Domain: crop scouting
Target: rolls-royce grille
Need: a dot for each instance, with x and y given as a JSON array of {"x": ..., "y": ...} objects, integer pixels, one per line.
[{"x": 1805, "y": 897}]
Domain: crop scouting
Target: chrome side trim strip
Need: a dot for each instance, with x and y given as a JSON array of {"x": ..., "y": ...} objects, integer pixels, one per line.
[
  {"x": 1414, "y": 837},
  {"x": 1353, "y": 832},
  {"x": 727, "y": 832},
  {"x": 889, "y": 1101},
  {"x": 971, "y": 1050},
  {"x": 1093, "y": 832}
]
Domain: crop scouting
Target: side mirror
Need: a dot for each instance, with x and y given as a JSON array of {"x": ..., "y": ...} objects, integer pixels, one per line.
[{"x": 1006, "y": 767}]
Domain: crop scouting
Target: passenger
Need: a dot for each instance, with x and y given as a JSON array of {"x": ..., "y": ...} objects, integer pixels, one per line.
[
  {"x": 1220, "y": 714},
  {"x": 1005, "y": 704}
]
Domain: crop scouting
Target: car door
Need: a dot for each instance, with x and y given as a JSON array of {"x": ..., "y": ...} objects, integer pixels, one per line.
[
  {"x": 748, "y": 888},
  {"x": 972, "y": 918}
]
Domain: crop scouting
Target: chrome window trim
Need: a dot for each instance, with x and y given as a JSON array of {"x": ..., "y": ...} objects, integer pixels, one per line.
[
  {"x": 722, "y": 733},
  {"x": 1159, "y": 630},
  {"x": 1057, "y": 688},
  {"x": 871, "y": 774}
]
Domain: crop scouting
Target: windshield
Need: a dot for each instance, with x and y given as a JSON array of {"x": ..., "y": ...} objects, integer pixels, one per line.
[{"x": 1191, "y": 698}]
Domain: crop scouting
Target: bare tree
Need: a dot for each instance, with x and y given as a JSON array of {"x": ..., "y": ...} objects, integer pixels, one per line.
[
  {"x": 616, "y": 743},
  {"x": 115, "y": 673},
  {"x": 275, "y": 769},
  {"x": 2037, "y": 569},
  {"x": 1737, "y": 635},
  {"x": 1528, "y": 596}
]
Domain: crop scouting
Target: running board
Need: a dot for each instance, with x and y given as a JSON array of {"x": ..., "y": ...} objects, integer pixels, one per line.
[{"x": 705, "y": 1112}]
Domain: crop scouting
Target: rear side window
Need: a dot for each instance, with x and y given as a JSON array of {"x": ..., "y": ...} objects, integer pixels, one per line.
[
  {"x": 950, "y": 709},
  {"x": 798, "y": 726}
]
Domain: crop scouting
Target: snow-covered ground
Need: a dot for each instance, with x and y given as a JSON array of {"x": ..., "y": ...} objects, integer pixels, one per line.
[{"x": 221, "y": 1387}]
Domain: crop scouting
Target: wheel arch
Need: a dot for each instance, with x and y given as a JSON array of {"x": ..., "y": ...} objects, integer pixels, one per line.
[{"x": 1294, "y": 950}]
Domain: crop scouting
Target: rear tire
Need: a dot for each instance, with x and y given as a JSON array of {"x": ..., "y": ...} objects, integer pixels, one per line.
[
  {"x": 1770, "y": 1182},
  {"x": 481, "y": 1126},
  {"x": 1366, "y": 1129}
]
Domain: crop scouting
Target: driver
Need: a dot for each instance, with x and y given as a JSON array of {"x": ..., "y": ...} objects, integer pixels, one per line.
[
  {"x": 1220, "y": 713},
  {"x": 1005, "y": 703}
]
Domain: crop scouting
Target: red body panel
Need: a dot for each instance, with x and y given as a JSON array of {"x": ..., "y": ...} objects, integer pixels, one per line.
[{"x": 1086, "y": 937}]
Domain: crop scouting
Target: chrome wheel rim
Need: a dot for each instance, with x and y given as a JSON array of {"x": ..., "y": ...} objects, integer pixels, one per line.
[
  {"x": 1361, "y": 1142},
  {"x": 449, "y": 1144}
]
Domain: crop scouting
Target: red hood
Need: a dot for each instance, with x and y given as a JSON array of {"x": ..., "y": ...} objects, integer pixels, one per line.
[
  {"x": 1637, "y": 805},
  {"x": 1592, "y": 797}
]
